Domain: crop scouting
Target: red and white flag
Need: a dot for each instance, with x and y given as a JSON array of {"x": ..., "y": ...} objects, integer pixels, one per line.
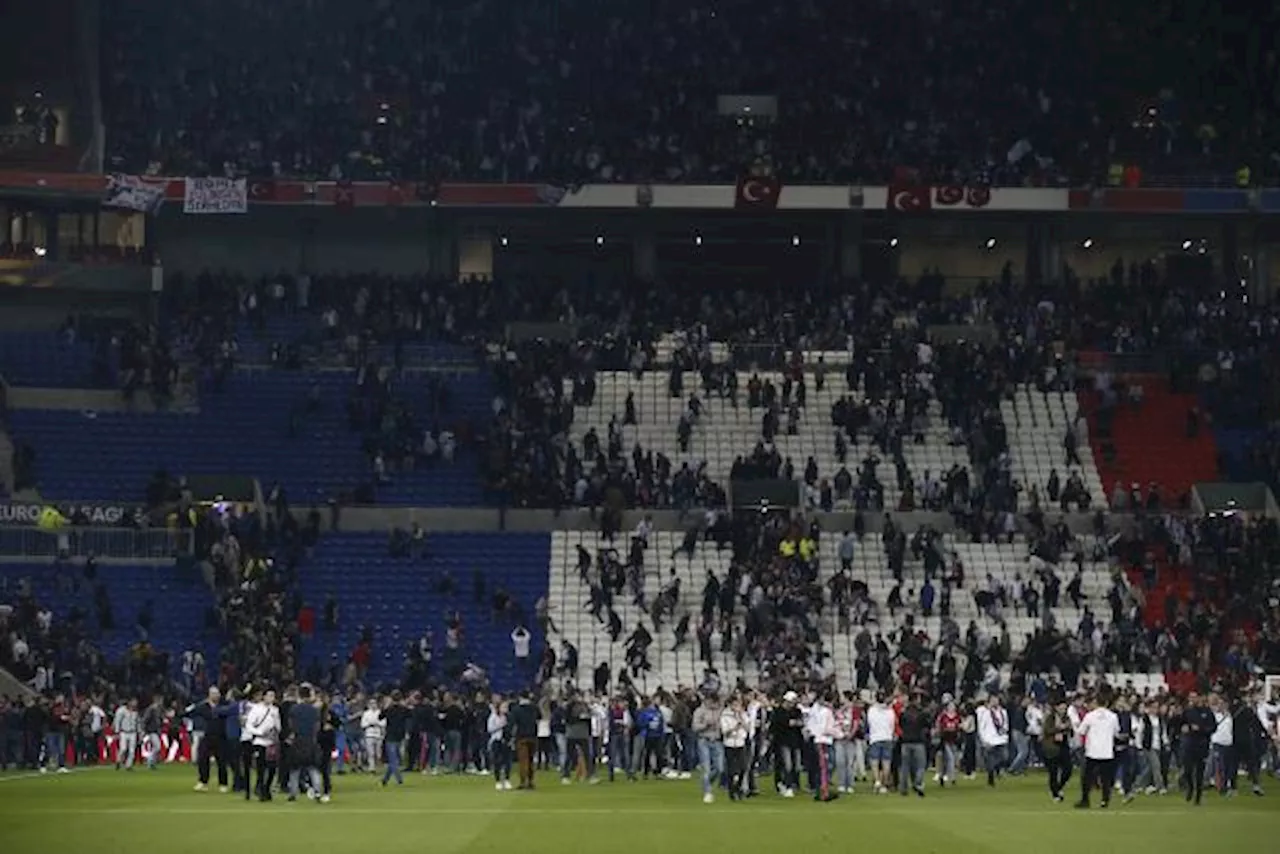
[
  {"x": 909, "y": 198},
  {"x": 757, "y": 192}
]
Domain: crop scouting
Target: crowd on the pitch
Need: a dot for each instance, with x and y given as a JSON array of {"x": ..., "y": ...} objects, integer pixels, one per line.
[{"x": 817, "y": 741}]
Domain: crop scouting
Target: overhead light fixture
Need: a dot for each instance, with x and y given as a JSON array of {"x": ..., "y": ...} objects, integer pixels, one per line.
[
  {"x": 599, "y": 240},
  {"x": 1087, "y": 243},
  {"x": 795, "y": 240},
  {"x": 1186, "y": 246},
  {"x": 991, "y": 243},
  {"x": 502, "y": 240},
  {"x": 893, "y": 241},
  {"x": 697, "y": 240}
]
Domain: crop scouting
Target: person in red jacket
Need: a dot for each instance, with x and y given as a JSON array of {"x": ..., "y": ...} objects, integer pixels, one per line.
[{"x": 948, "y": 727}]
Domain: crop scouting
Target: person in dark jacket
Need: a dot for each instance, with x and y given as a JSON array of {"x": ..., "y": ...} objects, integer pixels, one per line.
[
  {"x": 231, "y": 745},
  {"x": 286, "y": 730},
  {"x": 914, "y": 723},
  {"x": 210, "y": 712},
  {"x": 454, "y": 722},
  {"x": 304, "y": 743},
  {"x": 1055, "y": 745},
  {"x": 331, "y": 723},
  {"x": 523, "y": 720},
  {"x": 1250, "y": 739},
  {"x": 1197, "y": 726},
  {"x": 1126, "y": 760},
  {"x": 396, "y": 719}
]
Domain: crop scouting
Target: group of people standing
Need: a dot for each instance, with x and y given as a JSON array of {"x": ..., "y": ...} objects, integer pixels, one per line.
[{"x": 819, "y": 741}]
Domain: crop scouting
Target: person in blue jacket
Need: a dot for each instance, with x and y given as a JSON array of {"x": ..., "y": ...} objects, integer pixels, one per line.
[
  {"x": 653, "y": 730},
  {"x": 338, "y": 708}
]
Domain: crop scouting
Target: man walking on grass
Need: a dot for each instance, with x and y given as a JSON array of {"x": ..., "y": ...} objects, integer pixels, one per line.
[
  {"x": 1100, "y": 728},
  {"x": 524, "y": 717}
]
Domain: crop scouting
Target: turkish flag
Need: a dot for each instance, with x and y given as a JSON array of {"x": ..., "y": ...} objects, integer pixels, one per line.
[
  {"x": 262, "y": 190},
  {"x": 344, "y": 195},
  {"x": 909, "y": 198},
  {"x": 757, "y": 192}
]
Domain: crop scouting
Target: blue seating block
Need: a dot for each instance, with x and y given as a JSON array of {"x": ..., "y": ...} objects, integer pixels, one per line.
[
  {"x": 244, "y": 430},
  {"x": 46, "y": 360},
  {"x": 396, "y": 598},
  {"x": 178, "y": 595}
]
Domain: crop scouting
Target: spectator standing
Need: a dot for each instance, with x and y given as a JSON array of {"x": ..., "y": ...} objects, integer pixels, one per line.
[
  {"x": 1056, "y": 747},
  {"x": 881, "y": 726},
  {"x": 520, "y": 639},
  {"x": 524, "y": 719},
  {"x": 1099, "y": 729},
  {"x": 1198, "y": 725},
  {"x": 914, "y": 723},
  {"x": 395, "y": 718},
  {"x": 993, "y": 737},
  {"x": 711, "y": 757}
]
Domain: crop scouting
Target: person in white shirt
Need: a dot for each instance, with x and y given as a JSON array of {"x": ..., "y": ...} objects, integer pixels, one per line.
[
  {"x": 246, "y": 741},
  {"x": 993, "y": 737},
  {"x": 373, "y": 730},
  {"x": 520, "y": 645},
  {"x": 881, "y": 724},
  {"x": 644, "y": 530},
  {"x": 1099, "y": 729},
  {"x": 823, "y": 731},
  {"x": 125, "y": 726},
  {"x": 499, "y": 747},
  {"x": 1222, "y": 762},
  {"x": 1035, "y": 721},
  {"x": 1075, "y": 714},
  {"x": 735, "y": 731},
  {"x": 97, "y": 720},
  {"x": 263, "y": 724}
]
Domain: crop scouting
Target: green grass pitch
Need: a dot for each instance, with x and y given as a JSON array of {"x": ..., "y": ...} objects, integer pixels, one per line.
[{"x": 101, "y": 811}]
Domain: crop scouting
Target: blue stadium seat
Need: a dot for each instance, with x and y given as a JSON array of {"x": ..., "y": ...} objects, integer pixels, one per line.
[
  {"x": 245, "y": 429},
  {"x": 396, "y": 597}
]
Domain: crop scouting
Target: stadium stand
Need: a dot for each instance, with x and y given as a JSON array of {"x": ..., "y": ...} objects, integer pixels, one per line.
[
  {"x": 525, "y": 84},
  {"x": 1118, "y": 393},
  {"x": 443, "y": 589}
]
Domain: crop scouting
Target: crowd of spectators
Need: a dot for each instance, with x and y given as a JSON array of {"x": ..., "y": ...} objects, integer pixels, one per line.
[
  {"x": 1001, "y": 93},
  {"x": 1207, "y": 338}
]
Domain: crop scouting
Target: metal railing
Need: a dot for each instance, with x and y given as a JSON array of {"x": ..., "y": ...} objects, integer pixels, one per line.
[{"x": 114, "y": 543}]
